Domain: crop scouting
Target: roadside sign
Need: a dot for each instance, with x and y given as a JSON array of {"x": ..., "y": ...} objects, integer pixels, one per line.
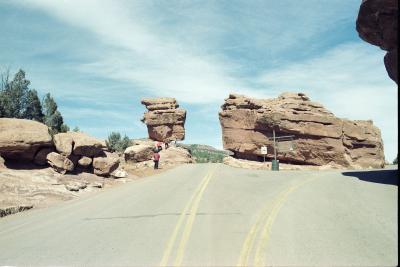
[
  {"x": 264, "y": 150},
  {"x": 285, "y": 146}
]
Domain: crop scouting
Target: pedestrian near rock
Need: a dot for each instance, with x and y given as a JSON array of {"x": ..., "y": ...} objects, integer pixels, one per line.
[
  {"x": 156, "y": 158},
  {"x": 166, "y": 145}
]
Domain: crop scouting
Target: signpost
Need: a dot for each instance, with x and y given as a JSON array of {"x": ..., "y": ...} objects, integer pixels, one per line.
[{"x": 264, "y": 151}]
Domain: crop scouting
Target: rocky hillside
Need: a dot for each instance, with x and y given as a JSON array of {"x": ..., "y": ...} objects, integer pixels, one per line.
[
  {"x": 320, "y": 137},
  {"x": 205, "y": 153}
]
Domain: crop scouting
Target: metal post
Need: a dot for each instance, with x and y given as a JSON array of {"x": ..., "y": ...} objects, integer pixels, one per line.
[{"x": 273, "y": 132}]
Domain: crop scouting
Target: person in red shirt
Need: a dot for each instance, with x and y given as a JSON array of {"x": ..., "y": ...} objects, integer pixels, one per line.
[{"x": 156, "y": 159}]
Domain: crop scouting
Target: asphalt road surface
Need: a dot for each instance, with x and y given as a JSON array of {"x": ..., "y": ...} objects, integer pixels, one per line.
[{"x": 216, "y": 215}]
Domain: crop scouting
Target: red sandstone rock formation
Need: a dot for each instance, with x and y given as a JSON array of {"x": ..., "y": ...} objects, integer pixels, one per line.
[
  {"x": 377, "y": 24},
  {"x": 164, "y": 119},
  {"x": 320, "y": 137}
]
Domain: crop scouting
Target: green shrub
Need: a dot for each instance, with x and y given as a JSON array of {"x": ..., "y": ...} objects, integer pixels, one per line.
[{"x": 116, "y": 143}]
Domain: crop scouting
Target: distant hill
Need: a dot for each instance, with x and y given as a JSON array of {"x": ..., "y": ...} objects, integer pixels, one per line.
[{"x": 205, "y": 153}]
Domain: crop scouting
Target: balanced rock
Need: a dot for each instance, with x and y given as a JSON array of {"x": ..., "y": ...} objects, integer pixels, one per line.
[
  {"x": 20, "y": 139},
  {"x": 320, "y": 138},
  {"x": 138, "y": 153},
  {"x": 377, "y": 24},
  {"x": 60, "y": 163},
  {"x": 77, "y": 143},
  {"x": 164, "y": 119},
  {"x": 104, "y": 166}
]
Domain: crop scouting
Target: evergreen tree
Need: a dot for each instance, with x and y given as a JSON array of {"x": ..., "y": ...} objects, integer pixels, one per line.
[
  {"x": 14, "y": 96},
  {"x": 33, "y": 108},
  {"x": 52, "y": 117}
]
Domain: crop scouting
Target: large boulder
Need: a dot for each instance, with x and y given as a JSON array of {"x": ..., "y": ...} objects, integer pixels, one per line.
[
  {"x": 60, "y": 163},
  {"x": 377, "y": 24},
  {"x": 78, "y": 143},
  {"x": 104, "y": 166},
  {"x": 139, "y": 153},
  {"x": 20, "y": 139},
  {"x": 320, "y": 138},
  {"x": 175, "y": 156},
  {"x": 164, "y": 119}
]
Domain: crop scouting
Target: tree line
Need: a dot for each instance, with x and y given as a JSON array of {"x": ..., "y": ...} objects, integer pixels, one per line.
[{"x": 17, "y": 100}]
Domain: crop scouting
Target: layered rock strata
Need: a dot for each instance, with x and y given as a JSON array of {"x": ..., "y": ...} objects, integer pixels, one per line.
[
  {"x": 320, "y": 138},
  {"x": 164, "y": 119},
  {"x": 377, "y": 24}
]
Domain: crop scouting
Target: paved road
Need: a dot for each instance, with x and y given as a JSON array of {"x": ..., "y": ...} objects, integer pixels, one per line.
[{"x": 215, "y": 215}]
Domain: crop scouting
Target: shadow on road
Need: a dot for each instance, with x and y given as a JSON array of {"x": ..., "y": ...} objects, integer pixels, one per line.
[
  {"x": 376, "y": 176},
  {"x": 161, "y": 214}
]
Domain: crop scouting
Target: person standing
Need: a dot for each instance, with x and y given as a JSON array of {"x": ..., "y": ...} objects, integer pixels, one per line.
[{"x": 156, "y": 159}]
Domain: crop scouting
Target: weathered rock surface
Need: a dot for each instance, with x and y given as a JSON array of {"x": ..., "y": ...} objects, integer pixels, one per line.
[
  {"x": 139, "y": 153},
  {"x": 59, "y": 162},
  {"x": 320, "y": 137},
  {"x": 77, "y": 143},
  {"x": 104, "y": 166},
  {"x": 164, "y": 119},
  {"x": 20, "y": 139},
  {"x": 377, "y": 24}
]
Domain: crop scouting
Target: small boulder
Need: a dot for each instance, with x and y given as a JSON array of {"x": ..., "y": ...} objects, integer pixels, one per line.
[
  {"x": 41, "y": 156},
  {"x": 104, "y": 166},
  {"x": 139, "y": 153},
  {"x": 60, "y": 163},
  {"x": 119, "y": 174},
  {"x": 64, "y": 143},
  {"x": 85, "y": 161}
]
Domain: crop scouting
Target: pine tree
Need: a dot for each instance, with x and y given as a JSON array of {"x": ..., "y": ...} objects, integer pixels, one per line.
[
  {"x": 33, "y": 107},
  {"x": 52, "y": 117},
  {"x": 14, "y": 94}
]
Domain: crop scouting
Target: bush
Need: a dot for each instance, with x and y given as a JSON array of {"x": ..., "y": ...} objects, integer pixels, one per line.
[{"x": 116, "y": 143}]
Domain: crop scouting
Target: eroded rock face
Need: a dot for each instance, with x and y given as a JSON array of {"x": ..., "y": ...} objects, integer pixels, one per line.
[
  {"x": 20, "y": 139},
  {"x": 320, "y": 137},
  {"x": 164, "y": 119},
  {"x": 377, "y": 24}
]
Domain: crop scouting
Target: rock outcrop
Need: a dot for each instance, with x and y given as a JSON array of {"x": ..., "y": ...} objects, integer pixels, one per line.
[
  {"x": 377, "y": 24},
  {"x": 320, "y": 137},
  {"x": 164, "y": 119},
  {"x": 21, "y": 139}
]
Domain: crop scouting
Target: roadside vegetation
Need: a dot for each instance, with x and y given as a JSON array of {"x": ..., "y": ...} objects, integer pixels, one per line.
[
  {"x": 17, "y": 100},
  {"x": 204, "y": 153},
  {"x": 116, "y": 143}
]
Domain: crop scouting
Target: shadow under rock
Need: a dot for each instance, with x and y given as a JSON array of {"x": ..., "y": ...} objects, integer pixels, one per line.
[{"x": 376, "y": 176}]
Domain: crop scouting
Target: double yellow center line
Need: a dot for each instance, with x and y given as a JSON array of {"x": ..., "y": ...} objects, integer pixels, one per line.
[
  {"x": 263, "y": 230},
  {"x": 191, "y": 210}
]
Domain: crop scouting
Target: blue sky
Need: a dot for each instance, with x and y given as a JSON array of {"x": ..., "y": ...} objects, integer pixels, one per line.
[{"x": 99, "y": 58}]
